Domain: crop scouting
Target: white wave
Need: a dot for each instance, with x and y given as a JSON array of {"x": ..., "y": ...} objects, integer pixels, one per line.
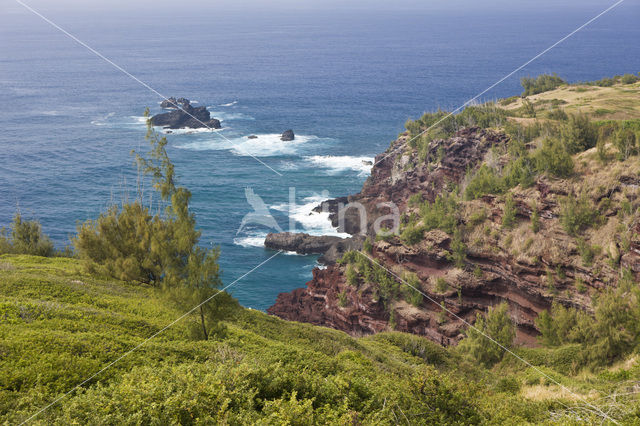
[
  {"x": 265, "y": 145},
  {"x": 139, "y": 119},
  {"x": 313, "y": 223},
  {"x": 102, "y": 121},
  {"x": 335, "y": 164},
  {"x": 229, "y": 104},
  {"x": 187, "y": 131},
  {"x": 250, "y": 241},
  {"x": 228, "y": 116}
]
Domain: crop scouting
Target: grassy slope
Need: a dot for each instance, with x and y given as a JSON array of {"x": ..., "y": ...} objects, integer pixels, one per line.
[
  {"x": 58, "y": 326},
  {"x": 618, "y": 102}
]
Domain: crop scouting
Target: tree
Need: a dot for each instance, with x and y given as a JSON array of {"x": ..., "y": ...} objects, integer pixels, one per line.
[
  {"x": 625, "y": 141},
  {"x": 130, "y": 243},
  {"x": 200, "y": 291},
  {"x": 510, "y": 211},
  {"x": 26, "y": 237},
  {"x": 552, "y": 157},
  {"x": 578, "y": 134},
  {"x": 497, "y": 325}
]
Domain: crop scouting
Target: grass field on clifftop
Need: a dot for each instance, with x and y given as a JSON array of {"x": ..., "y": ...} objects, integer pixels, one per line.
[{"x": 59, "y": 326}]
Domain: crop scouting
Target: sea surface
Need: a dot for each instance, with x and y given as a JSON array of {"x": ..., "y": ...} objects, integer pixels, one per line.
[{"x": 345, "y": 80}]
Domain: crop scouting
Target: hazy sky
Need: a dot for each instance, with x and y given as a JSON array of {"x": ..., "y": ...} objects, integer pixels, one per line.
[{"x": 278, "y": 5}]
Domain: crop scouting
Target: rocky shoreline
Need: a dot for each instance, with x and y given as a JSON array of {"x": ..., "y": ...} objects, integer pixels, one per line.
[{"x": 491, "y": 274}]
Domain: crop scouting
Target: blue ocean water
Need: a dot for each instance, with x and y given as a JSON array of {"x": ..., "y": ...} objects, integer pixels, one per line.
[{"x": 345, "y": 80}]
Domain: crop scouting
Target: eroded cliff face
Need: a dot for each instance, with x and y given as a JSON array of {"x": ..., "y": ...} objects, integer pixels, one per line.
[{"x": 528, "y": 270}]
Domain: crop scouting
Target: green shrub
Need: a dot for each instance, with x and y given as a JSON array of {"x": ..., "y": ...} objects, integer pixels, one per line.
[
  {"x": 458, "y": 252},
  {"x": 542, "y": 83},
  {"x": 535, "y": 219},
  {"x": 629, "y": 79},
  {"x": 552, "y": 157},
  {"x": 441, "y": 214},
  {"x": 576, "y": 214},
  {"x": 578, "y": 134},
  {"x": 26, "y": 237},
  {"x": 352, "y": 276},
  {"x": 625, "y": 141},
  {"x": 587, "y": 252},
  {"x": 484, "y": 181},
  {"x": 412, "y": 234},
  {"x": 496, "y": 324},
  {"x": 441, "y": 285},
  {"x": 342, "y": 299},
  {"x": 509, "y": 213}
]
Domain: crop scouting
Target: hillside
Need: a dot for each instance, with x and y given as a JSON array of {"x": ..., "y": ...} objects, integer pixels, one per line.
[
  {"x": 60, "y": 326},
  {"x": 505, "y": 202}
]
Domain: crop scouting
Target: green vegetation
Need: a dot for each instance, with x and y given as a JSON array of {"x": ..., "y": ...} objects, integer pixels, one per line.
[
  {"x": 542, "y": 83},
  {"x": 498, "y": 326},
  {"x": 577, "y": 214},
  {"x": 60, "y": 325},
  {"x": 130, "y": 244},
  {"x": 509, "y": 213},
  {"x": 610, "y": 334},
  {"x": 25, "y": 237}
]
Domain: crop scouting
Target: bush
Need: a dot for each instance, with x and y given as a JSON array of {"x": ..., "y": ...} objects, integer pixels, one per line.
[
  {"x": 587, "y": 252},
  {"x": 576, "y": 214},
  {"x": 412, "y": 234},
  {"x": 629, "y": 79},
  {"x": 441, "y": 214},
  {"x": 441, "y": 285},
  {"x": 458, "y": 253},
  {"x": 535, "y": 219},
  {"x": 509, "y": 213},
  {"x": 578, "y": 134},
  {"x": 610, "y": 334},
  {"x": 625, "y": 141},
  {"x": 26, "y": 237},
  {"x": 484, "y": 181},
  {"x": 413, "y": 296},
  {"x": 496, "y": 324},
  {"x": 352, "y": 276},
  {"x": 542, "y": 83},
  {"x": 552, "y": 157}
]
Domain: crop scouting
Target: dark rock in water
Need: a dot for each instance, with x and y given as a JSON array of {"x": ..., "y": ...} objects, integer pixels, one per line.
[
  {"x": 367, "y": 162},
  {"x": 288, "y": 135},
  {"x": 187, "y": 117},
  {"x": 299, "y": 242},
  {"x": 331, "y": 248},
  {"x": 173, "y": 103},
  {"x": 169, "y": 132},
  {"x": 252, "y": 137},
  {"x": 169, "y": 103}
]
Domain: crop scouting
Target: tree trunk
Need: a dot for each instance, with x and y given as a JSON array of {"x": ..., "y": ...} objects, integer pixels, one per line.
[{"x": 204, "y": 327}]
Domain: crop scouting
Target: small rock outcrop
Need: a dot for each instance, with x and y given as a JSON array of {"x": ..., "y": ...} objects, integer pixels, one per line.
[
  {"x": 300, "y": 243},
  {"x": 184, "y": 116},
  {"x": 173, "y": 103},
  {"x": 288, "y": 135}
]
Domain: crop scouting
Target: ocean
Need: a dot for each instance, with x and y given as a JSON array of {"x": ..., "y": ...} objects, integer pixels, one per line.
[{"x": 345, "y": 80}]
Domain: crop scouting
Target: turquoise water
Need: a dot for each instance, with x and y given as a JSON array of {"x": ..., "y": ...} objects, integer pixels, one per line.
[{"x": 344, "y": 80}]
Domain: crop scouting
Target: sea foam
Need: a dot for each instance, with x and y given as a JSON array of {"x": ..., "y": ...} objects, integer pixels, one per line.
[
  {"x": 265, "y": 145},
  {"x": 335, "y": 164}
]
